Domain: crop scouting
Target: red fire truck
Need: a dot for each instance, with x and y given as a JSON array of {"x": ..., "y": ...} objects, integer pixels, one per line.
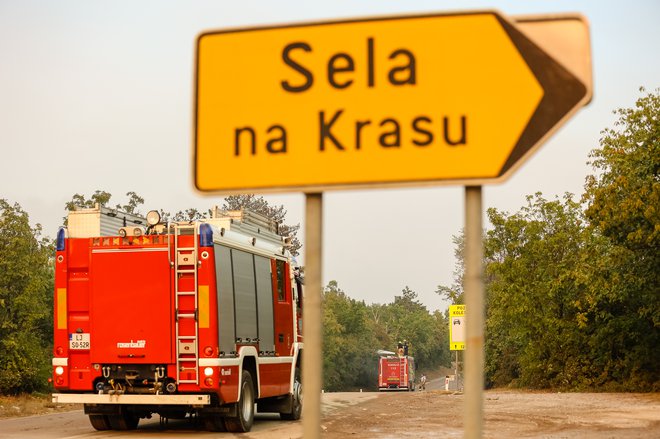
[
  {"x": 396, "y": 371},
  {"x": 182, "y": 318}
]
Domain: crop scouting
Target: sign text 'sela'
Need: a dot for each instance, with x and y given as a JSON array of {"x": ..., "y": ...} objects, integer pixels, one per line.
[{"x": 416, "y": 99}]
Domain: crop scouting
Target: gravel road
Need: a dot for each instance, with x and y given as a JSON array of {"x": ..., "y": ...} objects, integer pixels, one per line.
[{"x": 420, "y": 414}]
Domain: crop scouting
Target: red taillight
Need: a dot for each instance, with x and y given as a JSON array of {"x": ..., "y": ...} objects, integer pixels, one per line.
[{"x": 208, "y": 382}]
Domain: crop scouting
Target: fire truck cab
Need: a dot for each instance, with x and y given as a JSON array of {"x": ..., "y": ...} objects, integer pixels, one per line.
[{"x": 177, "y": 318}]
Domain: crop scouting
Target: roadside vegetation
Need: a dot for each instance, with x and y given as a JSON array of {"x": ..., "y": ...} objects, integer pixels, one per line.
[{"x": 26, "y": 297}]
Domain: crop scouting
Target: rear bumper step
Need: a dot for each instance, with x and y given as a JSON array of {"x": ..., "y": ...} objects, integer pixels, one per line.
[{"x": 91, "y": 398}]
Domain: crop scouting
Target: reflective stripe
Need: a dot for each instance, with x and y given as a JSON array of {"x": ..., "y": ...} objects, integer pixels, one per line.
[
  {"x": 61, "y": 308},
  {"x": 60, "y": 361},
  {"x": 203, "y": 306},
  {"x": 226, "y": 362},
  {"x": 129, "y": 250},
  {"x": 90, "y": 398},
  {"x": 275, "y": 360},
  {"x": 217, "y": 362}
]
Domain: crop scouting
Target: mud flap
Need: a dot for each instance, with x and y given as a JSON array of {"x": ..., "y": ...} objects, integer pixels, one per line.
[
  {"x": 224, "y": 410},
  {"x": 102, "y": 409},
  {"x": 278, "y": 404}
]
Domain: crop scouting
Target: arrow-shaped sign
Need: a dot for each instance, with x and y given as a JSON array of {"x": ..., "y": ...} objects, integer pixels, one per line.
[{"x": 457, "y": 98}]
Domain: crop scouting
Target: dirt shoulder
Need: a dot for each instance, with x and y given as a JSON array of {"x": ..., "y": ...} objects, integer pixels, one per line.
[
  {"x": 507, "y": 414},
  {"x": 29, "y": 405}
]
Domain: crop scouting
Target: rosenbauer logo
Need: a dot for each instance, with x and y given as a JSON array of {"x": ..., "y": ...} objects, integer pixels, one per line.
[{"x": 140, "y": 344}]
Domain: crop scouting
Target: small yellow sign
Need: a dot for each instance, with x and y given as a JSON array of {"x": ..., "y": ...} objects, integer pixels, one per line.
[
  {"x": 457, "y": 327},
  {"x": 402, "y": 100}
]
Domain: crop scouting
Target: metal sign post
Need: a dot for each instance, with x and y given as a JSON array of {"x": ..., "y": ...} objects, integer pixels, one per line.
[
  {"x": 456, "y": 377},
  {"x": 474, "y": 301},
  {"x": 312, "y": 366}
]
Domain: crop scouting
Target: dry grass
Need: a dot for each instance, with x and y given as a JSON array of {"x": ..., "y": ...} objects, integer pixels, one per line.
[{"x": 29, "y": 405}]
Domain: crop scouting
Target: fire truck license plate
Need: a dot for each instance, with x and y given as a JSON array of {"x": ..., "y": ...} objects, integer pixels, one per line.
[{"x": 78, "y": 341}]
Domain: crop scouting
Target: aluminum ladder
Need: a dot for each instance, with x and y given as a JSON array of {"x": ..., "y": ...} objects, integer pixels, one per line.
[{"x": 185, "y": 267}]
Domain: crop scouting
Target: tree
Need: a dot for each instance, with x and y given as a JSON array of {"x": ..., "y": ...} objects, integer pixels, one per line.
[
  {"x": 535, "y": 282},
  {"x": 455, "y": 293},
  {"x": 260, "y": 205},
  {"x": 191, "y": 214},
  {"x": 102, "y": 198},
  {"x": 134, "y": 201},
  {"x": 26, "y": 286},
  {"x": 624, "y": 199},
  {"x": 623, "y": 205},
  {"x": 349, "y": 359}
]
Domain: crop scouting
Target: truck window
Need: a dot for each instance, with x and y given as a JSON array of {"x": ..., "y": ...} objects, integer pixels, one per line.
[
  {"x": 281, "y": 292},
  {"x": 245, "y": 300},
  {"x": 225, "y": 285}
]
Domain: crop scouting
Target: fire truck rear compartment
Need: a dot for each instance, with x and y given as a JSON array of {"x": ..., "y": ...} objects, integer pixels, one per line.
[
  {"x": 163, "y": 323},
  {"x": 132, "y": 315}
]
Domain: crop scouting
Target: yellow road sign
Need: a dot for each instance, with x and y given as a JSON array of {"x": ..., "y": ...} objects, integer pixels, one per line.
[
  {"x": 457, "y": 327},
  {"x": 458, "y": 98}
]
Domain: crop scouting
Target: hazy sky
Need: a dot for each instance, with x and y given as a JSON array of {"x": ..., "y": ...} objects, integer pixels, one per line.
[{"x": 98, "y": 95}]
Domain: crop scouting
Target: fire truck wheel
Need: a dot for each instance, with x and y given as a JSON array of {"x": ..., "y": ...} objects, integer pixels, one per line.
[
  {"x": 125, "y": 421},
  {"x": 245, "y": 407},
  {"x": 297, "y": 398},
  {"x": 214, "y": 423},
  {"x": 100, "y": 422}
]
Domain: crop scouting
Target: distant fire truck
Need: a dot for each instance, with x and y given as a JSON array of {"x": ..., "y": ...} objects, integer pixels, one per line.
[
  {"x": 396, "y": 371},
  {"x": 176, "y": 318}
]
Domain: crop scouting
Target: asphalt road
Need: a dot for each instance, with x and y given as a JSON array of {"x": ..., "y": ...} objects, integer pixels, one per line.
[{"x": 70, "y": 425}]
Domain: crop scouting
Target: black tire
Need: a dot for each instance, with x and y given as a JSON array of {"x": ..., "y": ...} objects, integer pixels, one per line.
[
  {"x": 100, "y": 422},
  {"x": 244, "y": 407},
  {"x": 214, "y": 423},
  {"x": 296, "y": 399},
  {"x": 125, "y": 421}
]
